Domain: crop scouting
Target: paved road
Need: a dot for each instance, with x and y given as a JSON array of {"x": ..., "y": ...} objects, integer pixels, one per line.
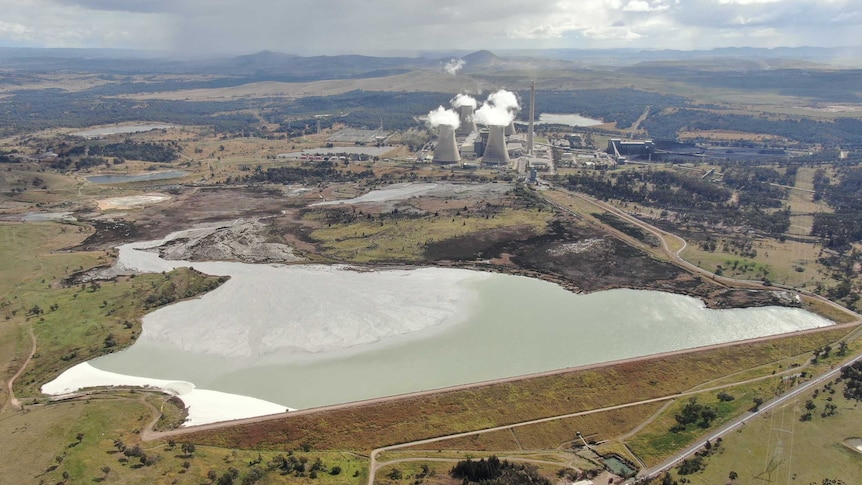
[
  {"x": 677, "y": 259},
  {"x": 778, "y": 401}
]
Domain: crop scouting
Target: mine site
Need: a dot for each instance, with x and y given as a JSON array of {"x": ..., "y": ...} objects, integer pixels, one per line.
[{"x": 574, "y": 267}]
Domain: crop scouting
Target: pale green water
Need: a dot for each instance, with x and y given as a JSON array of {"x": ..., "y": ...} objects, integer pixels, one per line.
[
  {"x": 571, "y": 119},
  {"x": 518, "y": 326}
]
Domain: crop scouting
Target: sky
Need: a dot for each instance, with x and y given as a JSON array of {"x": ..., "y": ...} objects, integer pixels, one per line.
[{"x": 210, "y": 27}]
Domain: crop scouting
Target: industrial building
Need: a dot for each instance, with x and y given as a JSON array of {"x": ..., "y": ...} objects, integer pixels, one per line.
[
  {"x": 635, "y": 149},
  {"x": 360, "y": 137},
  {"x": 495, "y": 145}
]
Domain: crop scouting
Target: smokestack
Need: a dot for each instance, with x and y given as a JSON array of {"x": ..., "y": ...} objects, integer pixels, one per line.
[
  {"x": 495, "y": 151},
  {"x": 447, "y": 148},
  {"x": 510, "y": 128},
  {"x": 467, "y": 124},
  {"x": 532, "y": 117}
]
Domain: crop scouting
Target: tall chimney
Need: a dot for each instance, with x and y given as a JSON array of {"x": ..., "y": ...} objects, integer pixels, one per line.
[
  {"x": 467, "y": 125},
  {"x": 532, "y": 117},
  {"x": 495, "y": 151},
  {"x": 447, "y": 148}
]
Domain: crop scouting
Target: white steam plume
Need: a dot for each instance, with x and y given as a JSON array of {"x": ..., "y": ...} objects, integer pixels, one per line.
[
  {"x": 498, "y": 110},
  {"x": 464, "y": 100},
  {"x": 454, "y": 65},
  {"x": 443, "y": 116},
  {"x": 504, "y": 99},
  {"x": 489, "y": 114}
]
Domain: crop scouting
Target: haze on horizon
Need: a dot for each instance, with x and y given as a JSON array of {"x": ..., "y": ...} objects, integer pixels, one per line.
[{"x": 386, "y": 27}]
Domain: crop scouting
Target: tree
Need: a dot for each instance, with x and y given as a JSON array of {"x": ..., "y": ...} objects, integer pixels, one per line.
[
  {"x": 395, "y": 474},
  {"x": 758, "y": 401},
  {"x": 188, "y": 449},
  {"x": 707, "y": 414},
  {"x": 732, "y": 476},
  {"x": 691, "y": 465},
  {"x": 107, "y": 471}
]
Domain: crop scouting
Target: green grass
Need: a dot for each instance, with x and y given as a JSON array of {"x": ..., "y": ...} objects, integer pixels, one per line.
[
  {"x": 657, "y": 441},
  {"x": 779, "y": 447},
  {"x": 74, "y": 324},
  {"x": 95, "y": 319}
]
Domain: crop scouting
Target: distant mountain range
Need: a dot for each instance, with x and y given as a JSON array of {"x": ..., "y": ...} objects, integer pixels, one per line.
[{"x": 290, "y": 67}]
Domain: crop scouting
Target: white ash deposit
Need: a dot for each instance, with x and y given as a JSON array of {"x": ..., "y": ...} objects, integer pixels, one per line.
[
  {"x": 304, "y": 308},
  {"x": 204, "y": 406},
  {"x": 407, "y": 190}
]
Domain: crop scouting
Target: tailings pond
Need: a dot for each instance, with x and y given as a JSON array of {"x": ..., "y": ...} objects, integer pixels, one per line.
[{"x": 307, "y": 336}]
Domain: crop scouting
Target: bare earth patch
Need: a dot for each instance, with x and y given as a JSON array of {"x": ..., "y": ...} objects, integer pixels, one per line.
[
  {"x": 132, "y": 201},
  {"x": 240, "y": 240}
]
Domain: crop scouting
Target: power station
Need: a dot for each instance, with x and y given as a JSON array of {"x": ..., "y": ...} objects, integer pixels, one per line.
[
  {"x": 465, "y": 112},
  {"x": 495, "y": 151},
  {"x": 487, "y": 136},
  {"x": 447, "y": 146}
]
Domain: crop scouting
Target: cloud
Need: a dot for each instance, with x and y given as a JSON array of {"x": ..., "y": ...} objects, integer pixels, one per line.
[
  {"x": 644, "y": 6},
  {"x": 141, "y": 6},
  {"x": 350, "y": 26}
]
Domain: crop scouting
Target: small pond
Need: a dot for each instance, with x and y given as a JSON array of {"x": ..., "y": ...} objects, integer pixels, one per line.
[{"x": 121, "y": 179}]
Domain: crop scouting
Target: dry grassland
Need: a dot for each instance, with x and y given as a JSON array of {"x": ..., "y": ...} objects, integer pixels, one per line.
[
  {"x": 405, "y": 239},
  {"x": 776, "y": 447},
  {"x": 413, "y": 81},
  {"x": 42, "y": 443},
  {"x": 376, "y": 424},
  {"x": 790, "y": 263}
]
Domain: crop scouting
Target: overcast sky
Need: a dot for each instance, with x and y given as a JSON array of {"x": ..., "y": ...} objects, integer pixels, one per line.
[{"x": 206, "y": 27}]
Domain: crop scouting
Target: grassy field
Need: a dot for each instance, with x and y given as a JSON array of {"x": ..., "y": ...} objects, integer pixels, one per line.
[
  {"x": 656, "y": 441},
  {"x": 405, "y": 239},
  {"x": 76, "y": 323},
  {"x": 43, "y": 443},
  {"x": 551, "y": 435},
  {"x": 776, "y": 447},
  {"x": 791, "y": 263}
]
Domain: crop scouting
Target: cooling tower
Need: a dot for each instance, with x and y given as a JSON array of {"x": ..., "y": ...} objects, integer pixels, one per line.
[
  {"x": 467, "y": 124},
  {"x": 447, "y": 148},
  {"x": 510, "y": 128},
  {"x": 495, "y": 151}
]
